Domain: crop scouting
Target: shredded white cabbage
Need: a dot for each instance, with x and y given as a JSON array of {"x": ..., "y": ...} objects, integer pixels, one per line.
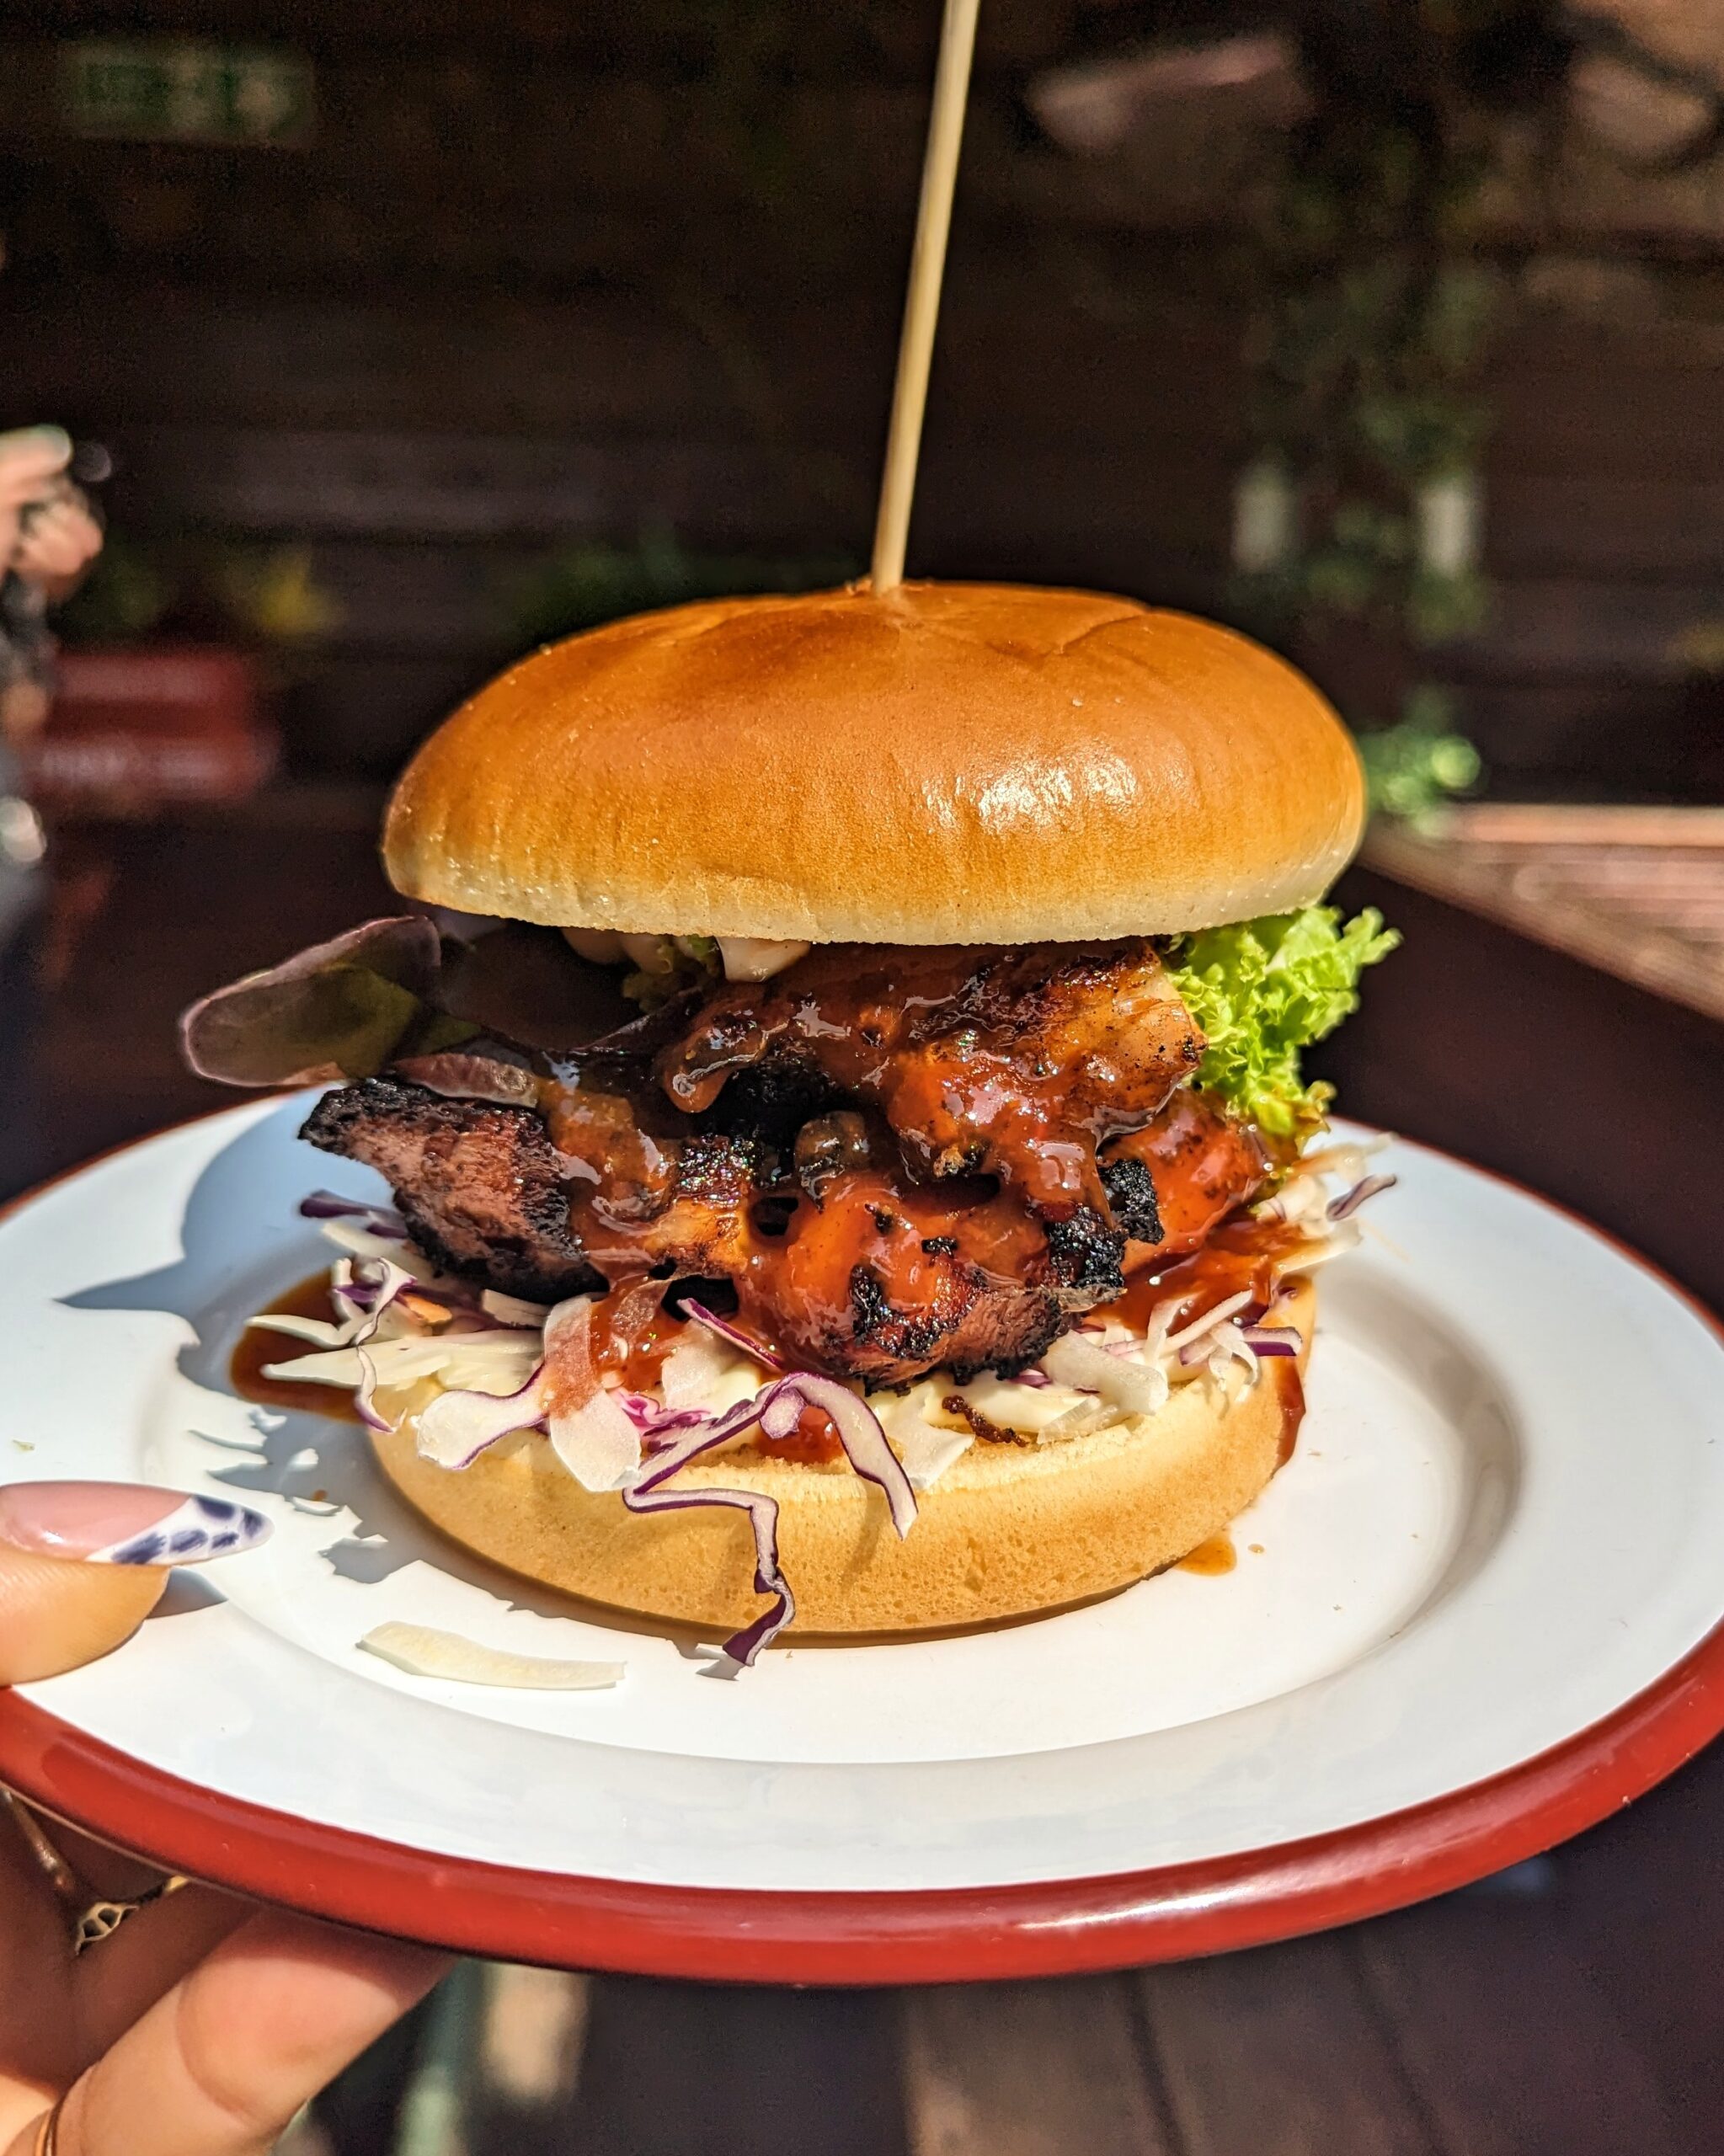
[
  {"x": 424, "y": 1650},
  {"x": 1132, "y": 1388},
  {"x": 704, "y": 1371},
  {"x": 597, "y": 1444}
]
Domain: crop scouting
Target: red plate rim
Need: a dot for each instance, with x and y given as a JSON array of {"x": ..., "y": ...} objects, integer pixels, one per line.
[{"x": 1044, "y": 1928}]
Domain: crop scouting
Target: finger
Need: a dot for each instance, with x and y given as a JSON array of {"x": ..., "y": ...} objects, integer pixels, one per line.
[
  {"x": 118, "y": 1982},
  {"x": 29, "y": 456},
  {"x": 37, "y": 2041},
  {"x": 22, "y": 2107},
  {"x": 26, "y": 478},
  {"x": 68, "y": 510},
  {"x": 75, "y": 2006},
  {"x": 82, "y": 1564},
  {"x": 57, "y": 542},
  {"x": 46, "y": 557},
  {"x": 219, "y": 2065},
  {"x": 114, "y": 1873},
  {"x": 24, "y": 444},
  {"x": 56, "y": 1616}
]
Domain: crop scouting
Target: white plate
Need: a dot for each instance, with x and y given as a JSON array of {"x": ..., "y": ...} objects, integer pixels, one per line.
[{"x": 1500, "y": 1527}]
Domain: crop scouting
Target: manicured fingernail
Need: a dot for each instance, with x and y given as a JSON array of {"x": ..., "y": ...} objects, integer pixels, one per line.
[{"x": 124, "y": 1523}]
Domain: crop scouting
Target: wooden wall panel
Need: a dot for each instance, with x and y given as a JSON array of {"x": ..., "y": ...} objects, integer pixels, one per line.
[{"x": 521, "y": 295}]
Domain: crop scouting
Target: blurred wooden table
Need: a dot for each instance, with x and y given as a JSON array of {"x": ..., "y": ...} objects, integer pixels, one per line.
[
  {"x": 1569, "y": 2009},
  {"x": 1636, "y": 892}
]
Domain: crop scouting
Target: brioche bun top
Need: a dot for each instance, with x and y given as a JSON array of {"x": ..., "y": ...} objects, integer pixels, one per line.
[{"x": 948, "y": 763}]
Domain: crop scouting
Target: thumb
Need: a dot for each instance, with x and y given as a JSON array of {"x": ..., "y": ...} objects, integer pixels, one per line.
[{"x": 82, "y": 1564}]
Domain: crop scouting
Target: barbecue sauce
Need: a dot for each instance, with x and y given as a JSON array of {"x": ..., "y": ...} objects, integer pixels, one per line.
[
  {"x": 974, "y": 1074},
  {"x": 1203, "y": 1163},
  {"x": 1290, "y": 1385},
  {"x": 984, "y": 1090},
  {"x": 917, "y": 1244},
  {"x": 256, "y": 1347},
  {"x": 637, "y": 1351},
  {"x": 795, "y": 1263},
  {"x": 634, "y": 1341},
  {"x": 814, "y": 1442},
  {"x": 1243, "y": 1254},
  {"x": 1211, "y": 1558}
]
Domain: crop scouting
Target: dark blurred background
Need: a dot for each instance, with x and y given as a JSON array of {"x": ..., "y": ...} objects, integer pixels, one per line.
[
  {"x": 415, "y": 335},
  {"x": 419, "y": 333}
]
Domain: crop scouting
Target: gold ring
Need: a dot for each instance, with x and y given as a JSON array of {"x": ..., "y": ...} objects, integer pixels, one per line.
[
  {"x": 100, "y": 1920},
  {"x": 93, "y": 1919},
  {"x": 62, "y": 1877},
  {"x": 48, "y": 2133}
]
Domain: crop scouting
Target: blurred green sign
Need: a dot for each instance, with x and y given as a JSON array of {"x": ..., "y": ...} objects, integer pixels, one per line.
[{"x": 157, "y": 90}]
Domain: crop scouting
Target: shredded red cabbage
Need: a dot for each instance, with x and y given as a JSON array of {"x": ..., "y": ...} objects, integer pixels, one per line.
[
  {"x": 742, "y": 1647},
  {"x": 756, "y": 1350},
  {"x": 655, "y": 1422},
  {"x": 777, "y": 1408},
  {"x": 365, "y": 1397},
  {"x": 370, "y": 1286},
  {"x": 1344, "y": 1207},
  {"x": 860, "y": 1431},
  {"x": 375, "y": 1219}
]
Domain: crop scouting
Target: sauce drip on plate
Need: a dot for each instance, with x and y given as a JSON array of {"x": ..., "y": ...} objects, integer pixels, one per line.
[
  {"x": 1211, "y": 1558},
  {"x": 309, "y": 1298}
]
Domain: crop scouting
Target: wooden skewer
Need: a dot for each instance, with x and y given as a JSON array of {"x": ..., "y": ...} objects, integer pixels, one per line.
[{"x": 921, "y": 306}]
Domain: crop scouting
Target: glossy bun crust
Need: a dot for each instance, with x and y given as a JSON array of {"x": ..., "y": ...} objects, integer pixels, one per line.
[
  {"x": 951, "y": 763},
  {"x": 1006, "y": 1530}
]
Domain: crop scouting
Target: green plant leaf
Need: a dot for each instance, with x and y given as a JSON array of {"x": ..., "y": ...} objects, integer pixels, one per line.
[
  {"x": 1416, "y": 768},
  {"x": 338, "y": 1011}
]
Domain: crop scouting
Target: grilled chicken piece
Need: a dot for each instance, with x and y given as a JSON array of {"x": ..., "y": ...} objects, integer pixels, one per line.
[
  {"x": 1172, "y": 1181},
  {"x": 959, "y": 1217},
  {"x": 480, "y": 1187},
  {"x": 882, "y": 1278},
  {"x": 880, "y": 1281},
  {"x": 1013, "y": 1064},
  {"x": 486, "y": 1191}
]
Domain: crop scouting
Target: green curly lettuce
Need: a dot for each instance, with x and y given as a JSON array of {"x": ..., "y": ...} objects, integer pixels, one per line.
[{"x": 1262, "y": 991}]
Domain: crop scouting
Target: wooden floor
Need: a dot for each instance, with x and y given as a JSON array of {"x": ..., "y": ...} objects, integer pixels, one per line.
[
  {"x": 1472, "y": 2027},
  {"x": 1574, "y": 2007}
]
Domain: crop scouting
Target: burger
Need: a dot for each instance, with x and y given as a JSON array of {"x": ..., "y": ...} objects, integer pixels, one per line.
[{"x": 840, "y": 1090}]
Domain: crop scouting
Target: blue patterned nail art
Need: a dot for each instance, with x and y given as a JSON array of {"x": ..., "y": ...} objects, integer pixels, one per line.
[{"x": 199, "y": 1528}]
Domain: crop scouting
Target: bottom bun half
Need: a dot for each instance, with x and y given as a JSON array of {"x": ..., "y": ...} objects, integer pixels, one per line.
[{"x": 1006, "y": 1530}]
